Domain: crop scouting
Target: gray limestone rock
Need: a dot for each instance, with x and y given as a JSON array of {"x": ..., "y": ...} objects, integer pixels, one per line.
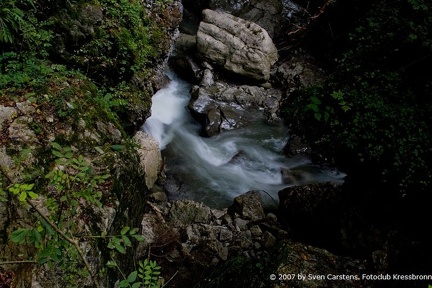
[{"x": 237, "y": 45}]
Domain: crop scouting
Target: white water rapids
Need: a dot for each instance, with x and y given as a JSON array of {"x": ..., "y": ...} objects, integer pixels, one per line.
[{"x": 215, "y": 170}]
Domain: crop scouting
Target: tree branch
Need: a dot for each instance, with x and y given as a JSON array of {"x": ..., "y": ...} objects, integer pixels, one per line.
[
  {"x": 17, "y": 262},
  {"x": 72, "y": 241}
]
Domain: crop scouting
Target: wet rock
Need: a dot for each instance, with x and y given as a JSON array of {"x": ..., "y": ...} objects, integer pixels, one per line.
[
  {"x": 249, "y": 206},
  {"x": 290, "y": 176},
  {"x": 186, "y": 67},
  {"x": 237, "y": 45},
  {"x": 159, "y": 197},
  {"x": 184, "y": 44},
  {"x": 223, "y": 107},
  {"x": 207, "y": 79},
  {"x": 296, "y": 146}
]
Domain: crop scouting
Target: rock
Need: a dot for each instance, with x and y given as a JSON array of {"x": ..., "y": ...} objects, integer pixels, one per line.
[
  {"x": 159, "y": 197},
  {"x": 150, "y": 157},
  {"x": 19, "y": 130},
  {"x": 295, "y": 146},
  {"x": 249, "y": 206},
  {"x": 267, "y": 14},
  {"x": 240, "y": 224},
  {"x": 207, "y": 79},
  {"x": 7, "y": 165},
  {"x": 290, "y": 176},
  {"x": 237, "y": 45},
  {"x": 185, "y": 212},
  {"x": 256, "y": 231},
  {"x": 184, "y": 44},
  {"x": 6, "y": 114},
  {"x": 225, "y": 235},
  {"x": 218, "y": 214},
  {"x": 286, "y": 258},
  {"x": 186, "y": 67},
  {"x": 268, "y": 239},
  {"x": 312, "y": 212},
  {"x": 298, "y": 72},
  {"x": 217, "y": 248},
  {"x": 221, "y": 107}
]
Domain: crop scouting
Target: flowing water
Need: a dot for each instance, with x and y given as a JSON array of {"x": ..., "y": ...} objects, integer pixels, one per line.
[{"x": 215, "y": 170}]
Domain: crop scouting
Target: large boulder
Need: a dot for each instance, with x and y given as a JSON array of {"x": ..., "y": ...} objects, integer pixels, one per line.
[
  {"x": 237, "y": 45},
  {"x": 312, "y": 212},
  {"x": 268, "y": 14}
]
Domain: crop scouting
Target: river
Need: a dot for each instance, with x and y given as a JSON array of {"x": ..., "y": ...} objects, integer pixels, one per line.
[{"x": 217, "y": 169}]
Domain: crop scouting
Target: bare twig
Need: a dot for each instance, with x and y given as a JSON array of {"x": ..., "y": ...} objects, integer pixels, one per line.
[
  {"x": 17, "y": 262},
  {"x": 171, "y": 278}
]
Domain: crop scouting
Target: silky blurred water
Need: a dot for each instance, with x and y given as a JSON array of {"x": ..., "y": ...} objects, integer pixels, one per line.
[{"x": 215, "y": 170}]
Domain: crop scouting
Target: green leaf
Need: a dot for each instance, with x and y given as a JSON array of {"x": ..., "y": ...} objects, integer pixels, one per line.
[
  {"x": 57, "y": 153},
  {"x": 138, "y": 237},
  {"x": 48, "y": 228},
  {"x": 132, "y": 276},
  {"x": 37, "y": 236},
  {"x": 124, "y": 230},
  {"x": 315, "y": 100},
  {"x": 117, "y": 147},
  {"x": 68, "y": 155},
  {"x": 111, "y": 264},
  {"x": 137, "y": 285},
  {"x": 33, "y": 195},
  {"x": 123, "y": 284},
  {"x": 27, "y": 187},
  {"x": 120, "y": 248},
  {"x": 56, "y": 146},
  {"x": 126, "y": 241},
  {"x": 133, "y": 231},
  {"x": 23, "y": 196},
  {"x": 18, "y": 236}
]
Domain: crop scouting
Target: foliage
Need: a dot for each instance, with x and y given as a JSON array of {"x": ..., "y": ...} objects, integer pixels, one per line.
[
  {"x": 11, "y": 19},
  {"x": 147, "y": 275},
  {"x": 120, "y": 243},
  {"x": 73, "y": 185},
  {"x": 374, "y": 111},
  {"x": 122, "y": 43},
  {"x": 54, "y": 56}
]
